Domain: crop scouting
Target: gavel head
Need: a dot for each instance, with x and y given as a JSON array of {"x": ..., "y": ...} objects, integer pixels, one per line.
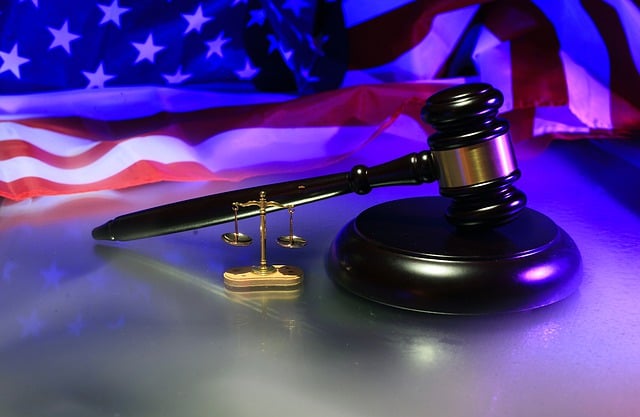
[{"x": 473, "y": 152}]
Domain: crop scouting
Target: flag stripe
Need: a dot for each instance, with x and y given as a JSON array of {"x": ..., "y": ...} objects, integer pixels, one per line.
[
  {"x": 426, "y": 58},
  {"x": 588, "y": 96},
  {"x": 355, "y": 106},
  {"x": 229, "y": 155},
  {"x": 142, "y": 172},
  {"x": 92, "y": 151},
  {"x": 537, "y": 75},
  {"x": 625, "y": 93},
  {"x": 16, "y": 148},
  {"x": 117, "y": 103},
  {"x": 493, "y": 57},
  {"x": 386, "y": 37},
  {"x": 566, "y": 69}
]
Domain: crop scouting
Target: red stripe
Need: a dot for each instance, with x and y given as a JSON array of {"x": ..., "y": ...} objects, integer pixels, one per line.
[
  {"x": 16, "y": 147},
  {"x": 384, "y": 38},
  {"x": 538, "y": 77},
  {"x": 355, "y": 106},
  {"x": 624, "y": 78},
  {"x": 142, "y": 172},
  {"x": 370, "y": 105}
]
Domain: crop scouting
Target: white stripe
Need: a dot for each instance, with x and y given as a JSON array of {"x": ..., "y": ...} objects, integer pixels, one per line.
[
  {"x": 162, "y": 149},
  {"x": 578, "y": 36},
  {"x": 231, "y": 150},
  {"x": 589, "y": 99},
  {"x": 247, "y": 147},
  {"x": 557, "y": 120},
  {"x": 493, "y": 58},
  {"x": 630, "y": 16},
  {"x": 116, "y": 103},
  {"x": 52, "y": 142},
  {"x": 355, "y": 12}
]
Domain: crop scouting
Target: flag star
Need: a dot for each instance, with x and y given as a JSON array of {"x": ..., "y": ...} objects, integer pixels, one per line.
[
  {"x": 11, "y": 61},
  {"x": 305, "y": 73},
  {"x": 248, "y": 72},
  {"x": 176, "y": 78},
  {"x": 286, "y": 54},
  {"x": 196, "y": 20},
  {"x": 295, "y": 6},
  {"x": 31, "y": 325},
  {"x": 62, "y": 37},
  {"x": 274, "y": 43},
  {"x": 112, "y": 13},
  {"x": 97, "y": 78},
  {"x": 257, "y": 17},
  {"x": 276, "y": 12},
  {"x": 52, "y": 276},
  {"x": 147, "y": 50},
  {"x": 215, "y": 46},
  {"x": 317, "y": 43}
]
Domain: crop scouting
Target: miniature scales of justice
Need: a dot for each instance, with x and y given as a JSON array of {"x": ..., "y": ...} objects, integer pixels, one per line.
[{"x": 263, "y": 276}]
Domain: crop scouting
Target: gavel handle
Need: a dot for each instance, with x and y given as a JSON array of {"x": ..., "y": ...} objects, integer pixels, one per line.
[{"x": 414, "y": 168}]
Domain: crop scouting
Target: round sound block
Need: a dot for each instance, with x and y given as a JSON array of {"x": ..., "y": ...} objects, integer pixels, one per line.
[{"x": 405, "y": 254}]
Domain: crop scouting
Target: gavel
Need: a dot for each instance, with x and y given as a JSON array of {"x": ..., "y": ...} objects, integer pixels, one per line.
[
  {"x": 471, "y": 157},
  {"x": 475, "y": 249}
]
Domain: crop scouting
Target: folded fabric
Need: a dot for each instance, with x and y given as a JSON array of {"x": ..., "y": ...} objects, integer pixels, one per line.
[{"x": 111, "y": 94}]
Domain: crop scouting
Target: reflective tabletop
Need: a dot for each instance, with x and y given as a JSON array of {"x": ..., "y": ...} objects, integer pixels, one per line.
[{"x": 147, "y": 328}]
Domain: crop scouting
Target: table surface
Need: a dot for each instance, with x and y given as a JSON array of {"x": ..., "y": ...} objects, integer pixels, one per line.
[{"x": 146, "y": 328}]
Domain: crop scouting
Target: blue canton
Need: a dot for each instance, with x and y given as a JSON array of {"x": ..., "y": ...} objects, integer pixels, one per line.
[{"x": 285, "y": 45}]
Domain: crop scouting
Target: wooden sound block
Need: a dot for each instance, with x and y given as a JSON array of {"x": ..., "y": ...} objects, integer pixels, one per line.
[
  {"x": 405, "y": 254},
  {"x": 249, "y": 278}
]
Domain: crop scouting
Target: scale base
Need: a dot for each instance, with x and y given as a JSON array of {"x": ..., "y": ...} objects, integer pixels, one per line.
[
  {"x": 405, "y": 254},
  {"x": 249, "y": 278}
]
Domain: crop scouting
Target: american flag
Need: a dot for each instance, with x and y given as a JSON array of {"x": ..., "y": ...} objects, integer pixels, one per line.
[{"x": 111, "y": 94}]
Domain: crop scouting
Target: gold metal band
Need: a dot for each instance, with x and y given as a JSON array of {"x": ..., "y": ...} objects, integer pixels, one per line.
[{"x": 475, "y": 164}]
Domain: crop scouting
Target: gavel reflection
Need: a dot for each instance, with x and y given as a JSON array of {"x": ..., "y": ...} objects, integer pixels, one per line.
[{"x": 471, "y": 157}]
